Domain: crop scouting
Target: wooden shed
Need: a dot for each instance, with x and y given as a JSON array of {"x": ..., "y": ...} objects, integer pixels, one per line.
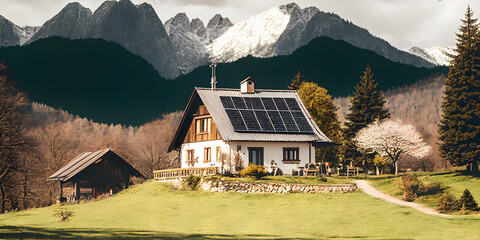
[{"x": 92, "y": 174}]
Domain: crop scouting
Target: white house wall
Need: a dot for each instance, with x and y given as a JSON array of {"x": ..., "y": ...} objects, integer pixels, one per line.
[
  {"x": 274, "y": 151},
  {"x": 271, "y": 151},
  {"x": 199, "y": 148}
]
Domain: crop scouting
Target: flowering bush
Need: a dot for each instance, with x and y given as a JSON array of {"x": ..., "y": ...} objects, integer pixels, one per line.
[{"x": 258, "y": 171}]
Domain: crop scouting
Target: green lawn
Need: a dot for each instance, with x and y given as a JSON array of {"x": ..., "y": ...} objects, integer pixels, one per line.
[
  {"x": 153, "y": 210},
  {"x": 455, "y": 182}
]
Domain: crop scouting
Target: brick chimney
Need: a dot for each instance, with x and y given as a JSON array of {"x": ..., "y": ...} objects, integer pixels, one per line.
[{"x": 247, "y": 86}]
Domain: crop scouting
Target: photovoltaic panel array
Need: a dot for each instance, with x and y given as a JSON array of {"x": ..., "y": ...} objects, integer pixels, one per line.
[{"x": 270, "y": 115}]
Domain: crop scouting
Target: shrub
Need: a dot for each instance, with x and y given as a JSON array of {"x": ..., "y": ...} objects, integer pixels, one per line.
[
  {"x": 448, "y": 203},
  {"x": 192, "y": 182},
  {"x": 257, "y": 171},
  {"x": 467, "y": 202},
  {"x": 432, "y": 188},
  {"x": 323, "y": 178},
  {"x": 63, "y": 214},
  {"x": 412, "y": 186}
]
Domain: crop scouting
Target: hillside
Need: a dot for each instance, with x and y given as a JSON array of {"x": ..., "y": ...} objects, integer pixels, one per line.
[
  {"x": 153, "y": 210},
  {"x": 102, "y": 81}
]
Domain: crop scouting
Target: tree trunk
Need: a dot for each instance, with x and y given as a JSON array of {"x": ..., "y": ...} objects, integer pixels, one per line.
[
  {"x": 469, "y": 169},
  {"x": 378, "y": 171},
  {"x": 396, "y": 168},
  {"x": 474, "y": 167},
  {"x": 2, "y": 191}
]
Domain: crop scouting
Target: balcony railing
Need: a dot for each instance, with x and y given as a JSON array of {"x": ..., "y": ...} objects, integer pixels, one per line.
[{"x": 180, "y": 173}]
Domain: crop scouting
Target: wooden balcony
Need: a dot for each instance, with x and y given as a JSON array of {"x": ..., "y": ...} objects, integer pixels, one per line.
[{"x": 181, "y": 173}]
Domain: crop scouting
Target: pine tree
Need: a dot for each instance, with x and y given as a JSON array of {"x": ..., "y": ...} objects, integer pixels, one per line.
[
  {"x": 460, "y": 124},
  {"x": 324, "y": 112},
  {"x": 467, "y": 201},
  {"x": 368, "y": 105},
  {"x": 297, "y": 81}
]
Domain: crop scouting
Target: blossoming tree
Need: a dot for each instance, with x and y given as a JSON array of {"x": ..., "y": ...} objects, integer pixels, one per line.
[{"x": 392, "y": 138}]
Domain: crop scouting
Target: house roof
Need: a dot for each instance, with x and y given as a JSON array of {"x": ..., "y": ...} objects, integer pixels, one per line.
[
  {"x": 81, "y": 162},
  {"x": 211, "y": 99}
]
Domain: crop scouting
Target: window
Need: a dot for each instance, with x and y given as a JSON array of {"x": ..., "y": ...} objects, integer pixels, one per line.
[
  {"x": 207, "y": 155},
  {"x": 219, "y": 155},
  {"x": 290, "y": 154},
  {"x": 255, "y": 155},
  {"x": 202, "y": 125},
  {"x": 190, "y": 158}
]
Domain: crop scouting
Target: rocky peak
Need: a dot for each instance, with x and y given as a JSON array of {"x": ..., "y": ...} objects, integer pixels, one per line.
[
  {"x": 197, "y": 27},
  {"x": 217, "y": 26},
  {"x": 219, "y": 22}
]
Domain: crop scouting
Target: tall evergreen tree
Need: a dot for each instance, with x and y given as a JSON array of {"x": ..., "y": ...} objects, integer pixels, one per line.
[
  {"x": 460, "y": 124},
  {"x": 297, "y": 81},
  {"x": 368, "y": 105},
  {"x": 324, "y": 112}
]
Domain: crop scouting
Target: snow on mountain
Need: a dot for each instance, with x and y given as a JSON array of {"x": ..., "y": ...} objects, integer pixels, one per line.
[
  {"x": 180, "y": 45},
  {"x": 25, "y": 33},
  {"x": 11, "y": 34},
  {"x": 435, "y": 55},
  {"x": 255, "y": 36}
]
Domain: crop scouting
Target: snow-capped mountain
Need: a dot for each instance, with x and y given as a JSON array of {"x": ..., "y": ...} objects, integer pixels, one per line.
[
  {"x": 435, "y": 55},
  {"x": 282, "y": 30},
  {"x": 182, "y": 45},
  {"x": 12, "y": 35},
  {"x": 256, "y": 36}
]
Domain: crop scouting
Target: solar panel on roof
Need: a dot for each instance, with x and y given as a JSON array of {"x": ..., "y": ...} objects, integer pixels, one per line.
[
  {"x": 264, "y": 120},
  {"x": 250, "y": 120},
  {"x": 257, "y": 103},
  {"x": 227, "y": 102},
  {"x": 236, "y": 119},
  {"x": 239, "y": 103},
  {"x": 268, "y": 103},
  {"x": 292, "y": 104},
  {"x": 269, "y": 115},
  {"x": 289, "y": 122},
  {"x": 301, "y": 121},
  {"x": 277, "y": 121},
  {"x": 280, "y": 102},
  {"x": 248, "y": 103}
]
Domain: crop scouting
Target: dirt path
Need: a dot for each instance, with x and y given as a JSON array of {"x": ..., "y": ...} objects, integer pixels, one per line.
[{"x": 368, "y": 189}]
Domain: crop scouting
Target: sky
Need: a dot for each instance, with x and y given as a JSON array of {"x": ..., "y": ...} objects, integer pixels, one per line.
[{"x": 403, "y": 23}]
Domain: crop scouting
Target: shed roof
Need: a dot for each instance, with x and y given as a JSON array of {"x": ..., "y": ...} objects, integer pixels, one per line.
[
  {"x": 81, "y": 162},
  {"x": 211, "y": 99}
]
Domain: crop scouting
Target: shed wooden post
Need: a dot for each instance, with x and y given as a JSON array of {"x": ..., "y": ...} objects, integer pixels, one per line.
[{"x": 61, "y": 190}]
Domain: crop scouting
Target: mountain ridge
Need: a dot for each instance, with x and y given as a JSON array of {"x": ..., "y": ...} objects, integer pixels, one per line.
[
  {"x": 109, "y": 84},
  {"x": 175, "y": 52}
]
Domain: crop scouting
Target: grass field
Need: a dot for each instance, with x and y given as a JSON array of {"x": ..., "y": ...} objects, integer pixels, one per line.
[
  {"x": 153, "y": 210},
  {"x": 455, "y": 182}
]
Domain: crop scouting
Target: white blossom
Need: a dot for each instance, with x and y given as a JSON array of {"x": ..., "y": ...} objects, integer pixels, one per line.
[{"x": 392, "y": 138}]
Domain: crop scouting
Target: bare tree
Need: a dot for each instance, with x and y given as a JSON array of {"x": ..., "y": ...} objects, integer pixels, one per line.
[
  {"x": 11, "y": 134},
  {"x": 392, "y": 138},
  {"x": 152, "y": 141}
]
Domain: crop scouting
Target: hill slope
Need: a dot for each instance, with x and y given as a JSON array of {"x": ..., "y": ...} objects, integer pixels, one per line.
[
  {"x": 102, "y": 81},
  {"x": 153, "y": 211}
]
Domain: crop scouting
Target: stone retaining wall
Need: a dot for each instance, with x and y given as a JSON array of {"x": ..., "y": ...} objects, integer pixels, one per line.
[{"x": 218, "y": 185}]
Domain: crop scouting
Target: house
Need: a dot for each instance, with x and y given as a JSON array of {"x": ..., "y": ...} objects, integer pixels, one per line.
[
  {"x": 226, "y": 128},
  {"x": 92, "y": 174}
]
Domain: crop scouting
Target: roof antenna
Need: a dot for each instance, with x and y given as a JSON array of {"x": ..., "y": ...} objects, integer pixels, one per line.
[{"x": 214, "y": 77}]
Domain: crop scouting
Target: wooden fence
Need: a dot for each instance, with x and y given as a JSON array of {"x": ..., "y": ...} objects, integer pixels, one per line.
[{"x": 183, "y": 173}]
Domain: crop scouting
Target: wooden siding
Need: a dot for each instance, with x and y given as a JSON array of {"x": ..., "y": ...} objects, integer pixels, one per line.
[
  {"x": 195, "y": 135},
  {"x": 107, "y": 173}
]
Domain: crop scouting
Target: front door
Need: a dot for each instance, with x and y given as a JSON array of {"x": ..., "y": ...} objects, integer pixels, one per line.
[{"x": 255, "y": 155}]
